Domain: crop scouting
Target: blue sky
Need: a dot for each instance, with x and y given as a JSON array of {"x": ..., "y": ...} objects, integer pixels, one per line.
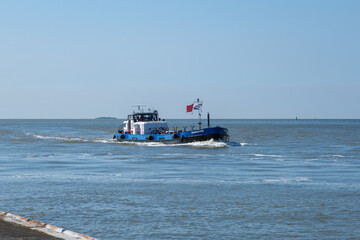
[{"x": 244, "y": 59}]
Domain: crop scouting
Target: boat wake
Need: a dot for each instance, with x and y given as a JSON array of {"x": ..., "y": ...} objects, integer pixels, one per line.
[
  {"x": 201, "y": 144},
  {"x": 68, "y": 139}
]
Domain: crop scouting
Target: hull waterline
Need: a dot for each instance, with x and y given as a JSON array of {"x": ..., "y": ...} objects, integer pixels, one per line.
[{"x": 215, "y": 133}]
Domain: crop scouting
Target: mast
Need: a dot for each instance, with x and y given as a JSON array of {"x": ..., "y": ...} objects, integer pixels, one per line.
[
  {"x": 198, "y": 108},
  {"x": 208, "y": 118},
  {"x": 140, "y": 107}
]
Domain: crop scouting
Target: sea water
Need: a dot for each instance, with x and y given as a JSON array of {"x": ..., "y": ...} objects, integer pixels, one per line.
[{"x": 275, "y": 179}]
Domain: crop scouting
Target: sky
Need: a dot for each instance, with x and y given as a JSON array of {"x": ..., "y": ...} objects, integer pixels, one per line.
[{"x": 244, "y": 59}]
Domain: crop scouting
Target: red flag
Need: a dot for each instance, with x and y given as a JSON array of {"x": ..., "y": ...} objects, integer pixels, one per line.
[{"x": 189, "y": 108}]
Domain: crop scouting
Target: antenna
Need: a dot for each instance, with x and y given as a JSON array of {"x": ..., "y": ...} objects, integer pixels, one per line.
[{"x": 139, "y": 107}]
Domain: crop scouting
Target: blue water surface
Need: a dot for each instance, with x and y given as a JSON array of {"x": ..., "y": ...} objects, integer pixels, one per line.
[{"x": 276, "y": 179}]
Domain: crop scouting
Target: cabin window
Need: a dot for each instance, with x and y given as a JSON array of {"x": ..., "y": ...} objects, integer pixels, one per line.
[{"x": 145, "y": 117}]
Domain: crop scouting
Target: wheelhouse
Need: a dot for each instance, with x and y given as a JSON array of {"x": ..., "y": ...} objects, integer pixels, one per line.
[{"x": 144, "y": 117}]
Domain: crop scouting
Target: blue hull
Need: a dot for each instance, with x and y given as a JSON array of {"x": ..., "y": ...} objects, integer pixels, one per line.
[{"x": 216, "y": 133}]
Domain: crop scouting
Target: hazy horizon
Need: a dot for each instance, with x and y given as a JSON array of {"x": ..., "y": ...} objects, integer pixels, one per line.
[{"x": 190, "y": 119}]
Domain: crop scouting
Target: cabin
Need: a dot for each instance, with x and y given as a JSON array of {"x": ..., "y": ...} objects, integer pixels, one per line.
[{"x": 145, "y": 123}]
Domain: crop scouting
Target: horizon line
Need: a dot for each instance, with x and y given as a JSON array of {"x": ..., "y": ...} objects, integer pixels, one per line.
[{"x": 114, "y": 118}]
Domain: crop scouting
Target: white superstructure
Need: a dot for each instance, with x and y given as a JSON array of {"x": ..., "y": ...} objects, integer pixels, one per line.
[{"x": 144, "y": 123}]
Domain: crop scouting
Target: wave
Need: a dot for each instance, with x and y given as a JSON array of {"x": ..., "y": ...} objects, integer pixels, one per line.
[
  {"x": 286, "y": 180},
  {"x": 208, "y": 144},
  {"x": 68, "y": 139},
  {"x": 203, "y": 144},
  {"x": 236, "y": 144},
  {"x": 242, "y": 144},
  {"x": 63, "y": 139},
  {"x": 266, "y": 155}
]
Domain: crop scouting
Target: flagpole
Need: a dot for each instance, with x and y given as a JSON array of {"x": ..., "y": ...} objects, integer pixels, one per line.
[{"x": 199, "y": 114}]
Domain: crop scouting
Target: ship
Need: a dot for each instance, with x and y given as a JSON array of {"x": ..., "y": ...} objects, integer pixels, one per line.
[{"x": 147, "y": 126}]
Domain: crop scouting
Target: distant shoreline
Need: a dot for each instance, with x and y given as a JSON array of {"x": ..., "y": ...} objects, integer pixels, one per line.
[
  {"x": 245, "y": 119},
  {"x": 106, "y": 118}
]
